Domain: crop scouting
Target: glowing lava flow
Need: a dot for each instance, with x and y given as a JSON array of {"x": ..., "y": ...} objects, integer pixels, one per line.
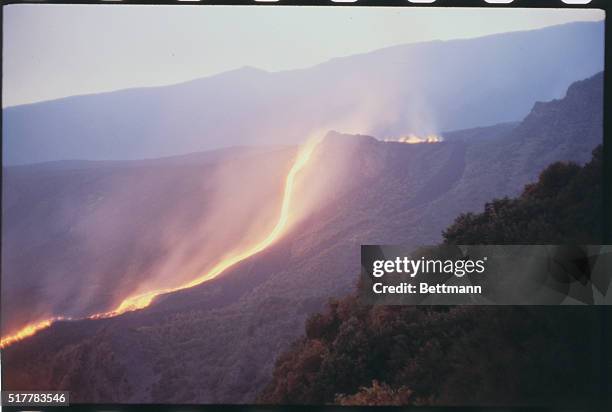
[
  {"x": 415, "y": 139},
  {"x": 28, "y": 331},
  {"x": 144, "y": 299}
]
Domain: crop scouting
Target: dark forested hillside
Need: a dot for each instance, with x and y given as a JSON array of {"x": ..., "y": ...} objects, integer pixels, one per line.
[
  {"x": 354, "y": 354},
  {"x": 564, "y": 206}
]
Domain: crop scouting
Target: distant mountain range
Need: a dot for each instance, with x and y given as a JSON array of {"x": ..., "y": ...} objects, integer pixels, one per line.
[
  {"x": 217, "y": 342},
  {"x": 423, "y": 87}
]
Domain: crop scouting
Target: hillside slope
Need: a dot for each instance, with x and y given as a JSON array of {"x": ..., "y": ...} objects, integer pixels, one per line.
[
  {"x": 354, "y": 354},
  {"x": 99, "y": 230},
  {"x": 217, "y": 342}
]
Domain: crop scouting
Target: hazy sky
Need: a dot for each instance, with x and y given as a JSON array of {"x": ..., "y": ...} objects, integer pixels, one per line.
[{"x": 53, "y": 51}]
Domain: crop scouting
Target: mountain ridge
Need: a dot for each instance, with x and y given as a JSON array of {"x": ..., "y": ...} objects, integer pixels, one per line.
[
  {"x": 254, "y": 69},
  {"x": 409, "y": 91}
]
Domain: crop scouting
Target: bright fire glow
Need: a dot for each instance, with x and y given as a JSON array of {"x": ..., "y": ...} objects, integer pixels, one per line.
[
  {"x": 414, "y": 139},
  {"x": 28, "y": 331},
  {"x": 143, "y": 300}
]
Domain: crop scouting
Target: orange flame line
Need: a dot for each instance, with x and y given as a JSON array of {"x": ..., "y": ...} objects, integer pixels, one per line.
[
  {"x": 28, "y": 330},
  {"x": 143, "y": 300}
]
